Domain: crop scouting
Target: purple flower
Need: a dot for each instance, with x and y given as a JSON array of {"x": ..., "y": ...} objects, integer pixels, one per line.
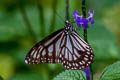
[
  {"x": 86, "y": 70},
  {"x": 90, "y": 18},
  {"x": 83, "y": 21}
]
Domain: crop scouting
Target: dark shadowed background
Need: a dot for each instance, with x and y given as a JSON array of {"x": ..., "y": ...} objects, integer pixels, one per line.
[{"x": 25, "y": 22}]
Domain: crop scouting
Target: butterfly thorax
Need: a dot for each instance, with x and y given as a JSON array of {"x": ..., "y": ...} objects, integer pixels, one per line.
[{"x": 69, "y": 28}]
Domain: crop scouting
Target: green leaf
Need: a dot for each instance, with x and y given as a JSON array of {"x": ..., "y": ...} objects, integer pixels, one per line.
[
  {"x": 111, "y": 72},
  {"x": 71, "y": 75}
]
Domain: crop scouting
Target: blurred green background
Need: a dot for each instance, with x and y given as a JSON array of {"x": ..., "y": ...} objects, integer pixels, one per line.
[{"x": 25, "y": 22}]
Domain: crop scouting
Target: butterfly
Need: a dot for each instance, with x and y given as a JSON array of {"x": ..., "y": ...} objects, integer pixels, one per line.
[{"x": 63, "y": 46}]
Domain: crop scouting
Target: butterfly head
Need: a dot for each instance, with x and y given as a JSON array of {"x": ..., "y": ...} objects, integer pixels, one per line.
[{"x": 68, "y": 27}]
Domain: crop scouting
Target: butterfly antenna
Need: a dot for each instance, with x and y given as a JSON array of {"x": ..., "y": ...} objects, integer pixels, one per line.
[
  {"x": 60, "y": 17},
  {"x": 73, "y": 22},
  {"x": 67, "y": 10}
]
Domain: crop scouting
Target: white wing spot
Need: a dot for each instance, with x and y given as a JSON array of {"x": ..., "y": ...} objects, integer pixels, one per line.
[
  {"x": 60, "y": 55},
  {"x": 40, "y": 49},
  {"x": 63, "y": 50},
  {"x": 63, "y": 61},
  {"x": 68, "y": 67},
  {"x": 73, "y": 64},
  {"x": 81, "y": 63},
  {"x": 38, "y": 56},
  {"x": 83, "y": 66},
  {"x": 26, "y": 61},
  {"x": 74, "y": 57},
  {"x": 57, "y": 46},
  {"x": 91, "y": 55},
  {"x": 68, "y": 44},
  {"x": 86, "y": 55},
  {"x": 76, "y": 53},
  {"x": 80, "y": 68},
  {"x": 34, "y": 55},
  {"x": 91, "y": 51},
  {"x": 77, "y": 65},
  {"x": 70, "y": 57},
  {"x": 32, "y": 52},
  {"x": 88, "y": 52},
  {"x": 89, "y": 62},
  {"x": 69, "y": 64},
  {"x": 58, "y": 60},
  {"x": 66, "y": 53},
  {"x": 63, "y": 41},
  {"x": 75, "y": 68},
  {"x": 91, "y": 58},
  {"x": 33, "y": 61},
  {"x": 86, "y": 59},
  {"x": 50, "y": 49},
  {"x": 43, "y": 53}
]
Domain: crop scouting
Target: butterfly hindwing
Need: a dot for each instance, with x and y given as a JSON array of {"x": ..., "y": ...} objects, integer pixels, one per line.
[
  {"x": 45, "y": 51},
  {"x": 75, "y": 53}
]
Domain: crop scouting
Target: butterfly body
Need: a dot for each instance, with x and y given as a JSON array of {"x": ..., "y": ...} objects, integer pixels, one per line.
[
  {"x": 68, "y": 28},
  {"x": 63, "y": 46}
]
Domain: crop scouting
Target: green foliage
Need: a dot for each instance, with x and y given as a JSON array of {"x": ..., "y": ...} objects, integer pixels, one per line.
[
  {"x": 1, "y": 78},
  {"x": 15, "y": 40},
  {"x": 111, "y": 72},
  {"x": 6, "y": 66},
  {"x": 27, "y": 76},
  {"x": 71, "y": 75}
]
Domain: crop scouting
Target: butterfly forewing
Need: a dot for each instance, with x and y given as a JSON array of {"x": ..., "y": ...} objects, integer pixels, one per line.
[{"x": 45, "y": 51}]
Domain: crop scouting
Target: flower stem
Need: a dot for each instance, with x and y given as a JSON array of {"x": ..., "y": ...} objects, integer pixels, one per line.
[{"x": 85, "y": 32}]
